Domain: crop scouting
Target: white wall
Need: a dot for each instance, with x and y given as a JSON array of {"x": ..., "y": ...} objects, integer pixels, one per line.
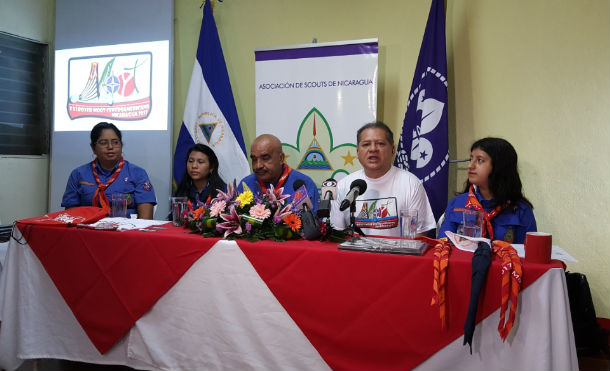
[
  {"x": 23, "y": 187},
  {"x": 24, "y": 180}
]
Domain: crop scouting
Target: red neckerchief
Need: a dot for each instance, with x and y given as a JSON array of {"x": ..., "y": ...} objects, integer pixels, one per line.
[
  {"x": 441, "y": 262},
  {"x": 512, "y": 271},
  {"x": 473, "y": 203},
  {"x": 99, "y": 197},
  {"x": 280, "y": 183},
  {"x": 442, "y": 249}
]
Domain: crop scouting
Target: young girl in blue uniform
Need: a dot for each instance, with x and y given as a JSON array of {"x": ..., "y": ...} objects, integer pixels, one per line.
[
  {"x": 494, "y": 188},
  {"x": 94, "y": 183},
  {"x": 200, "y": 182}
]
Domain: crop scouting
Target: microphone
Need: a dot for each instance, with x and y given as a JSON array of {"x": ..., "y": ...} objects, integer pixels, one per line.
[
  {"x": 357, "y": 188},
  {"x": 311, "y": 229},
  {"x": 329, "y": 192},
  {"x": 300, "y": 196}
]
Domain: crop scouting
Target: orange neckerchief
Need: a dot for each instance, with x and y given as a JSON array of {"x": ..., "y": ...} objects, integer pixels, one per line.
[
  {"x": 99, "y": 197},
  {"x": 512, "y": 271},
  {"x": 473, "y": 203},
  {"x": 442, "y": 248},
  {"x": 280, "y": 183}
]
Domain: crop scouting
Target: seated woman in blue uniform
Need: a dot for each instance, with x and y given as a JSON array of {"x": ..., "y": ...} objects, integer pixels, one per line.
[
  {"x": 93, "y": 184},
  {"x": 200, "y": 182},
  {"x": 494, "y": 188}
]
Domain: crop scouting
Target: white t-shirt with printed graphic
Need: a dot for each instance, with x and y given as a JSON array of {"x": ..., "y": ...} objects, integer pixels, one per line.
[{"x": 378, "y": 208}]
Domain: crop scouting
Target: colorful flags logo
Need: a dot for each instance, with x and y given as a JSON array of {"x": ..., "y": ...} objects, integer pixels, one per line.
[{"x": 106, "y": 86}]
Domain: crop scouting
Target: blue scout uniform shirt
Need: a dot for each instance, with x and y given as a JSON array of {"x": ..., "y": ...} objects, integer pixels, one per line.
[
  {"x": 132, "y": 180},
  {"x": 202, "y": 197},
  {"x": 198, "y": 197},
  {"x": 312, "y": 191},
  {"x": 509, "y": 225}
]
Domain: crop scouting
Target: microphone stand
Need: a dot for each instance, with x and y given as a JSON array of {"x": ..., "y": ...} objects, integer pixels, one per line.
[{"x": 352, "y": 223}]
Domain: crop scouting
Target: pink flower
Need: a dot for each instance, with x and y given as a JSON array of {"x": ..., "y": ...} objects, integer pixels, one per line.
[
  {"x": 217, "y": 207},
  {"x": 232, "y": 222},
  {"x": 227, "y": 196},
  {"x": 283, "y": 212},
  {"x": 276, "y": 196},
  {"x": 259, "y": 211}
]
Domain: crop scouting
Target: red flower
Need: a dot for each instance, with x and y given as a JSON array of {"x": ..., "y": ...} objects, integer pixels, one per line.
[
  {"x": 198, "y": 212},
  {"x": 293, "y": 221},
  {"x": 190, "y": 206},
  {"x": 322, "y": 228}
]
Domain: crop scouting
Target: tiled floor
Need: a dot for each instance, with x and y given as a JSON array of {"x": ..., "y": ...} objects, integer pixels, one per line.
[
  {"x": 597, "y": 362},
  {"x": 61, "y": 365},
  {"x": 592, "y": 363}
]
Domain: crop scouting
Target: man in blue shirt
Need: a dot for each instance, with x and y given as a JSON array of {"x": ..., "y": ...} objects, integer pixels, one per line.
[{"x": 268, "y": 168}]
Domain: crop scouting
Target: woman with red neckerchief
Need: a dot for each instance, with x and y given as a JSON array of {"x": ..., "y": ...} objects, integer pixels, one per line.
[
  {"x": 493, "y": 188},
  {"x": 93, "y": 184}
]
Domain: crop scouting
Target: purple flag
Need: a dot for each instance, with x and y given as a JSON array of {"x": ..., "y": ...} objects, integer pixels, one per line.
[{"x": 423, "y": 148}]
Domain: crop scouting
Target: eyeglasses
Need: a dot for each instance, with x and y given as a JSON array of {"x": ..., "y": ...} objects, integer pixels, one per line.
[{"x": 105, "y": 143}]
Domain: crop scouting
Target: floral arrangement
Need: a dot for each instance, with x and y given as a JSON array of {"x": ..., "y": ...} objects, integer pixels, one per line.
[{"x": 253, "y": 217}]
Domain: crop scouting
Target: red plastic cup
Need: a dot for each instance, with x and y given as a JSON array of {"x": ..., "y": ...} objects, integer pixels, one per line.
[{"x": 538, "y": 247}]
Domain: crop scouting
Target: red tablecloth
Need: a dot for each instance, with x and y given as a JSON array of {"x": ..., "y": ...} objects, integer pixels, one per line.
[
  {"x": 359, "y": 310},
  {"x": 109, "y": 279},
  {"x": 368, "y": 311}
]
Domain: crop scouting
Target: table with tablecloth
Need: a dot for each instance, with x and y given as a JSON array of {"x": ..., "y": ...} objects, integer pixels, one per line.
[{"x": 172, "y": 300}]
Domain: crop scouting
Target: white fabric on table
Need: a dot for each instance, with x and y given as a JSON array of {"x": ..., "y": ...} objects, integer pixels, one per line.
[
  {"x": 231, "y": 321},
  {"x": 37, "y": 322},
  {"x": 219, "y": 302},
  {"x": 221, "y": 315},
  {"x": 3, "y": 250},
  {"x": 541, "y": 339}
]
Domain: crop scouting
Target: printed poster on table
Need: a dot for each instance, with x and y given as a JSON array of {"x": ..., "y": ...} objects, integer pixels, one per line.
[{"x": 314, "y": 97}]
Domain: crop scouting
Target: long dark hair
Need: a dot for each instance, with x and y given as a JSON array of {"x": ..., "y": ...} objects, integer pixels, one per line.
[
  {"x": 504, "y": 181},
  {"x": 214, "y": 180}
]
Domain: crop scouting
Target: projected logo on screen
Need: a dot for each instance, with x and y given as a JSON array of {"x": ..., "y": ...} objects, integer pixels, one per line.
[{"x": 116, "y": 87}]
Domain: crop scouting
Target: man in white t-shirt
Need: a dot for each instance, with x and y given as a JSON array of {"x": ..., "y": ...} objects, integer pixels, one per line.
[{"x": 389, "y": 189}]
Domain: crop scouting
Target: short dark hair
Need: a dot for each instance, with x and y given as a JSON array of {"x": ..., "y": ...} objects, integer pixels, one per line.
[
  {"x": 376, "y": 125},
  {"x": 504, "y": 181},
  {"x": 98, "y": 128}
]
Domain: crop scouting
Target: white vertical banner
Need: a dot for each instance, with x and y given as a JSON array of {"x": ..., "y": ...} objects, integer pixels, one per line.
[{"x": 314, "y": 97}]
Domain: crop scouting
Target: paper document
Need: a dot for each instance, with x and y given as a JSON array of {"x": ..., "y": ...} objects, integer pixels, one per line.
[
  {"x": 124, "y": 224},
  {"x": 385, "y": 245},
  {"x": 470, "y": 244}
]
